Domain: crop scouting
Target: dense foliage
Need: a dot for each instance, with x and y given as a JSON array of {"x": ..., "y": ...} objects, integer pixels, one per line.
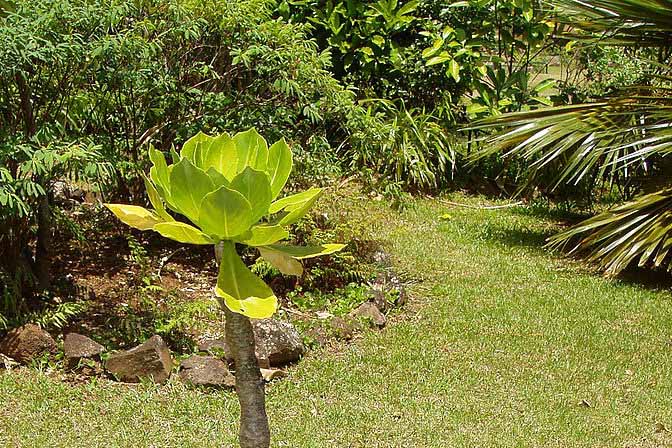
[
  {"x": 620, "y": 140},
  {"x": 381, "y": 89},
  {"x": 85, "y": 85}
]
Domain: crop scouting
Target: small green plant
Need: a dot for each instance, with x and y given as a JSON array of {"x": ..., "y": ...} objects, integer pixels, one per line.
[
  {"x": 228, "y": 188},
  {"x": 54, "y": 316},
  {"x": 338, "y": 303},
  {"x": 138, "y": 254}
]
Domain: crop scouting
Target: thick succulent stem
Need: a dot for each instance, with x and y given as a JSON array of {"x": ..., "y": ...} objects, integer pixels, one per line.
[{"x": 254, "y": 430}]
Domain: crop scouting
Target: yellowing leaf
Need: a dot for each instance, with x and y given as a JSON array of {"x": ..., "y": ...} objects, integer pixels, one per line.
[
  {"x": 135, "y": 216},
  {"x": 296, "y": 212},
  {"x": 294, "y": 200},
  {"x": 252, "y": 307},
  {"x": 303, "y": 252},
  {"x": 295, "y": 206},
  {"x": 183, "y": 233},
  {"x": 242, "y": 291},
  {"x": 284, "y": 263},
  {"x": 454, "y": 70}
]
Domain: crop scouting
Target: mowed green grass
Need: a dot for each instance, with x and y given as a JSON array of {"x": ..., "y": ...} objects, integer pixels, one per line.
[{"x": 503, "y": 345}]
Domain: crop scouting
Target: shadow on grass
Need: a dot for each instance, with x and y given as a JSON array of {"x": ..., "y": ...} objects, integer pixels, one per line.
[
  {"x": 653, "y": 279},
  {"x": 556, "y": 214},
  {"x": 534, "y": 240},
  {"x": 528, "y": 238}
]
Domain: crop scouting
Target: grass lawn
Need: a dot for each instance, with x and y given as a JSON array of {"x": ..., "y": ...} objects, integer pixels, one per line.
[{"x": 502, "y": 345}]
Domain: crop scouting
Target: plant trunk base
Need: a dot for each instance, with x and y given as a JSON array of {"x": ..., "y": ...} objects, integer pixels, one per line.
[{"x": 254, "y": 430}]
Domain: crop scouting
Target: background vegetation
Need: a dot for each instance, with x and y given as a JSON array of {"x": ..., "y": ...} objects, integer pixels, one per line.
[{"x": 406, "y": 96}]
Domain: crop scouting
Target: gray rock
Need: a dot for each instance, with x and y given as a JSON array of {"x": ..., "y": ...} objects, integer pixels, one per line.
[
  {"x": 344, "y": 329},
  {"x": 379, "y": 299},
  {"x": 277, "y": 343},
  {"x": 206, "y": 371},
  {"x": 279, "y": 340},
  {"x": 369, "y": 311},
  {"x": 150, "y": 360},
  {"x": 26, "y": 343},
  {"x": 382, "y": 258},
  {"x": 386, "y": 285},
  {"x": 213, "y": 345},
  {"x": 217, "y": 346},
  {"x": 78, "y": 347}
]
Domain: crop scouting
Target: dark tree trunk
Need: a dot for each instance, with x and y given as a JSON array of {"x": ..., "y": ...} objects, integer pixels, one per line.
[
  {"x": 254, "y": 430},
  {"x": 43, "y": 246},
  {"x": 42, "y": 267}
]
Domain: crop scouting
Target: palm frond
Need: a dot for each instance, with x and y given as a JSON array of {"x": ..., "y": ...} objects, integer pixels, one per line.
[
  {"x": 622, "y": 22},
  {"x": 602, "y": 138},
  {"x": 640, "y": 231}
]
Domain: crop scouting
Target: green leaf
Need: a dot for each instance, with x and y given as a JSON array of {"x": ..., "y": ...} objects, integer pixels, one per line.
[
  {"x": 279, "y": 166},
  {"x": 225, "y": 213},
  {"x": 264, "y": 235},
  {"x": 294, "y": 200},
  {"x": 242, "y": 291},
  {"x": 183, "y": 233},
  {"x": 159, "y": 173},
  {"x": 222, "y": 156},
  {"x": 193, "y": 148},
  {"x": 174, "y": 155},
  {"x": 255, "y": 186},
  {"x": 454, "y": 70},
  {"x": 435, "y": 48},
  {"x": 252, "y": 150},
  {"x": 156, "y": 200},
  {"x": 295, "y": 206},
  {"x": 135, "y": 216},
  {"x": 284, "y": 263},
  {"x": 440, "y": 59},
  {"x": 217, "y": 178},
  {"x": 638, "y": 231},
  {"x": 303, "y": 252},
  {"x": 544, "y": 85},
  {"x": 543, "y": 100},
  {"x": 189, "y": 185}
]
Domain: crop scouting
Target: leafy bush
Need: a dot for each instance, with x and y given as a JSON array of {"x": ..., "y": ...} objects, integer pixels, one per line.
[
  {"x": 414, "y": 148},
  {"x": 377, "y": 47},
  {"x": 86, "y": 84}
]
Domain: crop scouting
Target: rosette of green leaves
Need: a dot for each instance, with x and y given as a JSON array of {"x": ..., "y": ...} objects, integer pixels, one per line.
[{"x": 227, "y": 188}]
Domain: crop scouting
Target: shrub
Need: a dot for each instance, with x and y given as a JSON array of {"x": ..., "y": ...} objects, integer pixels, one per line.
[{"x": 122, "y": 74}]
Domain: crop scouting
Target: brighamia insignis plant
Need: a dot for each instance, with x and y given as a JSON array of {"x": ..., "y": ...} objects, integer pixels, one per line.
[{"x": 227, "y": 187}]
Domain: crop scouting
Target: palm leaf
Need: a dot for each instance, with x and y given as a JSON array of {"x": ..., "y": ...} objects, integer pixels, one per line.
[
  {"x": 621, "y": 22},
  {"x": 605, "y": 139},
  {"x": 639, "y": 231},
  {"x": 602, "y": 139}
]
